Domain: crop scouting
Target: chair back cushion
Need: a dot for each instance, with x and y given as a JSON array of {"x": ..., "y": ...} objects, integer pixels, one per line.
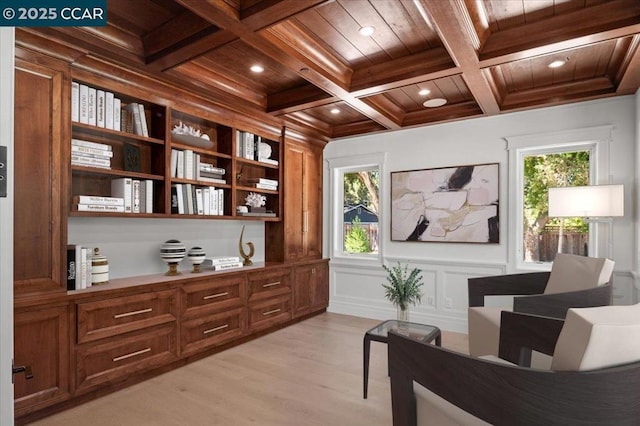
[
  {"x": 600, "y": 337},
  {"x": 571, "y": 272}
]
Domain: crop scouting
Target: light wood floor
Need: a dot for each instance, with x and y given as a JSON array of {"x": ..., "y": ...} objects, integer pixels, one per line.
[{"x": 306, "y": 374}]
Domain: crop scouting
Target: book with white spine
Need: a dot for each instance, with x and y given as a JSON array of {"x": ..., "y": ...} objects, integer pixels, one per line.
[
  {"x": 84, "y": 105},
  {"x": 91, "y": 106},
  {"x": 225, "y": 266},
  {"x": 143, "y": 121},
  {"x": 100, "y": 108},
  {"x": 95, "y": 199},
  {"x": 75, "y": 101},
  {"x": 220, "y": 201},
  {"x": 117, "y": 106},
  {"x": 98, "y": 208},
  {"x": 88, "y": 144},
  {"x": 80, "y": 159},
  {"x": 95, "y": 151},
  {"x": 122, "y": 188},
  {"x": 219, "y": 260},
  {"x": 108, "y": 110},
  {"x": 149, "y": 195},
  {"x": 135, "y": 196},
  {"x": 213, "y": 201}
]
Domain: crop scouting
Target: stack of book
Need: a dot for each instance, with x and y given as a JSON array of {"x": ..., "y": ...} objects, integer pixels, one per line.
[
  {"x": 210, "y": 173},
  {"x": 264, "y": 183},
  {"x": 135, "y": 120},
  {"x": 93, "y": 203},
  {"x": 90, "y": 154},
  {"x": 222, "y": 263},
  {"x": 79, "y": 266},
  {"x": 192, "y": 199},
  {"x": 95, "y": 106},
  {"x": 137, "y": 194}
]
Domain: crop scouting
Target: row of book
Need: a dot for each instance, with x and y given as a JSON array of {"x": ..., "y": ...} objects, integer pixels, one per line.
[
  {"x": 79, "y": 266},
  {"x": 192, "y": 199},
  {"x": 222, "y": 263},
  {"x": 186, "y": 164},
  {"x": 101, "y": 108},
  {"x": 251, "y": 147},
  {"x": 91, "y": 154}
]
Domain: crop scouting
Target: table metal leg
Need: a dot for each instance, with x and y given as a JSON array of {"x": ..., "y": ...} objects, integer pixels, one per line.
[{"x": 365, "y": 367}]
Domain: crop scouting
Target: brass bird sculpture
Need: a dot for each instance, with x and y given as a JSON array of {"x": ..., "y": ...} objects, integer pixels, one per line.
[{"x": 247, "y": 257}]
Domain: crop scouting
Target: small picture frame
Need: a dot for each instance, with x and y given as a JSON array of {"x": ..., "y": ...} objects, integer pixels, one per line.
[{"x": 131, "y": 157}]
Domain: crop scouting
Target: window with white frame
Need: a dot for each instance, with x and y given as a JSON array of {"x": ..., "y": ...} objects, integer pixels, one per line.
[
  {"x": 538, "y": 162},
  {"x": 356, "y": 206}
]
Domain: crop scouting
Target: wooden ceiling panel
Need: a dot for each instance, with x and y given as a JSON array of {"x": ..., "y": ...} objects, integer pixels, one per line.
[{"x": 483, "y": 56}]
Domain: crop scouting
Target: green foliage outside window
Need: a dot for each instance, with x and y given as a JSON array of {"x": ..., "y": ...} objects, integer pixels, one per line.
[{"x": 357, "y": 240}]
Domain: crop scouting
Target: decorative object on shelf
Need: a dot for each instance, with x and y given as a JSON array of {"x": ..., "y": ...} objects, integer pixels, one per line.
[
  {"x": 196, "y": 256},
  {"x": 191, "y": 136},
  {"x": 403, "y": 288},
  {"x": 99, "y": 268},
  {"x": 172, "y": 252},
  {"x": 256, "y": 202},
  {"x": 264, "y": 151},
  {"x": 242, "y": 209},
  {"x": 247, "y": 257},
  {"x": 131, "y": 157}
]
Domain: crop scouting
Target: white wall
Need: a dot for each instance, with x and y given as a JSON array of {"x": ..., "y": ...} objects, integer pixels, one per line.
[
  {"x": 355, "y": 286},
  {"x": 132, "y": 245}
]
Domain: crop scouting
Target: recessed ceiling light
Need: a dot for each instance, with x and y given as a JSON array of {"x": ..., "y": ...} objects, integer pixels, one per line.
[
  {"x": 558, "y": 63},
  {"x": 424, "y": 92},
  {"x": 367, "y": 31},
  {"x": 257, "y": 68},
  {"x": 434, "y": 103},
  {"x": 335, "y": 111}
]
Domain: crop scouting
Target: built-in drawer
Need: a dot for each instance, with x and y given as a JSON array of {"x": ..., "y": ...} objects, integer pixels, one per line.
[
  {"x": 269, "y": 312},
  {"x": 213, "y": 294},
  {"x": 116, "y": 359},
  {"x": 269, "y": 284},
  {"x": 98, "y": 319},
  {"x": 212, "y": 330}
]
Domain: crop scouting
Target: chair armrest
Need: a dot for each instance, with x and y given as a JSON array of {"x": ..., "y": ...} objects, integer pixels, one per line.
[
  {"x": 526, "y": 283},
  {"x": 556, "y": 305},
  {"x": 506, "y": 395},
  {"x": 520, "y": 333}
]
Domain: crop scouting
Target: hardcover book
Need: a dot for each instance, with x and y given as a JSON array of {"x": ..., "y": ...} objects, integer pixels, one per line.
[
  {"x": 98, "y": 208},
  {"x": 108, "y": 110},
  {"x": 88, "y": 144},
  {"x": 91, "y": 106},
  {"x": 75, "y": 101},
  {"x": 117, "y": 111},
  {"x": 122, "y": 188},
  {"x": 100, "y": 108},
  {"x": 84, "y": 104},
  {"x": 94, "y": 199}
]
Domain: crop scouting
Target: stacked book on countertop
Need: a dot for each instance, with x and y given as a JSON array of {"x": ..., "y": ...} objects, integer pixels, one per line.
[
  {"x": 222, "y": 263},
  {"x": 94, "y": 203},
  {"x": 90, "y": 154}
]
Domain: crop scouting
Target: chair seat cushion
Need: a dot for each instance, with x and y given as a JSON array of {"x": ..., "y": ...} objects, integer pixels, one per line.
[
  {"x": 570, "y": 272},
  {"x": 432, "y": 410},
  {"x": 484, "y": 330},
  {"x": 600, "y": 337}
]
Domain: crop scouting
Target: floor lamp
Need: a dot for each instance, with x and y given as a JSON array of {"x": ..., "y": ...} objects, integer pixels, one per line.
[{"x": 595, "y": 203}]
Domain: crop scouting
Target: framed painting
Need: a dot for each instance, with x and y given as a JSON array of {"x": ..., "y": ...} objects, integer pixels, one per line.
[{"x": 448, "y": 204}]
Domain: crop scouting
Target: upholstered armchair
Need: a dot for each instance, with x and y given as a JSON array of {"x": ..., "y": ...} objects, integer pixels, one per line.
[
  {"x": 594, "y": 377},
  {"x": 574, "y": 281}
]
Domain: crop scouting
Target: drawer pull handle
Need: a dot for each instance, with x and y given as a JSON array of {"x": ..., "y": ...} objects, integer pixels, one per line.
[
  {"x": 211, "y": 330},
  {"x": 213, "y": 296},
  {"x": 128, "y": 314},
  {"x": 270, "y": 284},
  {"x": 273, "y": 311},
  {"x": 120, "y": 358}
]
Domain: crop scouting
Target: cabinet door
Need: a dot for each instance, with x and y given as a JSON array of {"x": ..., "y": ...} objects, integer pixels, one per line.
[
  {"x": 40, "y": 170},
  {"x": 319, "y": 290},
  {"x": 41, "y": 340},
  {"x": 303, "y": 276},
  {"x": 294, "y": 202}
]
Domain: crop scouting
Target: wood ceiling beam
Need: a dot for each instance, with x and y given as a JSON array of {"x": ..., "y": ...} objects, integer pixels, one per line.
[
  {"x": 357, "y": 128},
  {"x": 285, "y": 54},
  {"x": 590, "y": 25},
  {"x": 267, "y": 13},
  {"x": 453, "y": 24},
  {"x": 173, "y": 32},
  {"x": 629, "y": 81}
]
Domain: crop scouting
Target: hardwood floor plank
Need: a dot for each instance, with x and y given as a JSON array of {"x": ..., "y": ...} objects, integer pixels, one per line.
[{"x": 309, "y": 373}]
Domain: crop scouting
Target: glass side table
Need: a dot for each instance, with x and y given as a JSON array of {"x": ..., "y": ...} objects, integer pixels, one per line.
[{"x": 380, "y": 333}]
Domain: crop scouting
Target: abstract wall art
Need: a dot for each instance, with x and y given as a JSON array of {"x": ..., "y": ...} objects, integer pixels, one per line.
[{"x": 448, "y": 204}]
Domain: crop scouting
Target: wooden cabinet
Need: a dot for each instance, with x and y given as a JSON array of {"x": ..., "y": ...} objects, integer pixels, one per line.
[
  {"x": 310, "y": 288},
  {"x": 299, "y": 236},
  {"x": 269, "y": 298},
  {"x": 41, "y": 343},
  {"x": 213, "y": 312},
  {"x": 121, "y": 335},
  {"x": 40, "y": 133}
]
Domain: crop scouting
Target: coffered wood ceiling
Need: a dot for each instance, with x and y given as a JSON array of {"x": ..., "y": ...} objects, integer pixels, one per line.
[{"x": 485, "y": 57}]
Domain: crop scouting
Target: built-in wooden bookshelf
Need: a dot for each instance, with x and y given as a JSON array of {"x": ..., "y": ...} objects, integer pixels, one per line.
[{"x": 155, "y": 158}]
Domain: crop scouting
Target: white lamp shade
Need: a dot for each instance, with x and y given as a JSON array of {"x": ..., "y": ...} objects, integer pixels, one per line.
[{"x": 587, "y": 201}]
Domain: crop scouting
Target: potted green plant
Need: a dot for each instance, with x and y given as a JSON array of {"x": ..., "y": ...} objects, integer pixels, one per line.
[{"x": 403, "y": 288}]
